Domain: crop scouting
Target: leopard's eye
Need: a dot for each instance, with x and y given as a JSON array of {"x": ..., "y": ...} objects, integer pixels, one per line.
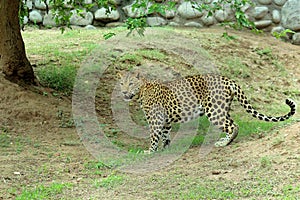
[{"x": 130, "y": 84}]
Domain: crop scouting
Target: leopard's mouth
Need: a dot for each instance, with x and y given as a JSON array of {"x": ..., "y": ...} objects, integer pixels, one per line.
[{"x": 128, "y": 97}]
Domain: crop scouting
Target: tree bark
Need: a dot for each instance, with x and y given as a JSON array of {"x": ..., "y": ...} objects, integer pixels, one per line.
[{"x": 13, "y": 61}]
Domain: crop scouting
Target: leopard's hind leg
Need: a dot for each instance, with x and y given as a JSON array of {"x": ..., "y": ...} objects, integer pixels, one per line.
[
  {"x": 218, "y": 114},
  {"x": 231, "y": 129}
]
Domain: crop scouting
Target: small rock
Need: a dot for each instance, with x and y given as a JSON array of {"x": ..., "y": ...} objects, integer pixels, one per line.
[
  {"x": 67, "y": 3},
  {"x": 265, "y": 2},
  {"x": 173, "y": 24},
  {"x": 260, "y": 12},
  {"x": 187, "y": 11},
  {"x": 280, "y": 29},
  {"x": 276, "y": 16},
  {"x": 193, "y": 24},
  {"x": 107, "y": 15},
  {"x": 116, "y": 2},
  {"x": 25, "y": 20},
  {"x": 78, "y": 20},
  {"x": 29, "y": 4},
  {"x": 262, "y": 24},
  {"x": 35, "y": 16},
  {"x": 169, "y": 14},
  {"x": 279, "y": 2},
  {"x": 90, "y": 27},
  {"x": 208, "y": 21},
  {"x": 88, "y": 1},
  {"x": 136, "y": 13},
  {"x": 296, "y": 39},
  {"x": 221, "y": 15},
  {"x": 38, "y": 4},
  {"x": 114, "y": 24},
  {"x": 277, "y": 29},
  {"x": 156, "y": 21},
  {"x": 49, "y": 19}
]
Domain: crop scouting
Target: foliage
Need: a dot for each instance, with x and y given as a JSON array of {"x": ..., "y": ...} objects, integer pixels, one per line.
[
  {"x": 108, "y": 35},
  {"x": 137, "y": 24},
  {"x": 282, "y": 34},
  {"x": 23, "y": 11},
  {"x": 147, "y": 7},
  {"x": 241, "y": 20}
]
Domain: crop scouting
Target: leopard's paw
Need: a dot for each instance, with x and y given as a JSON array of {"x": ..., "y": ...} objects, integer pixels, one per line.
[
  {"x": 147, "y": 152},
  {"x": 222, "y": 142}
]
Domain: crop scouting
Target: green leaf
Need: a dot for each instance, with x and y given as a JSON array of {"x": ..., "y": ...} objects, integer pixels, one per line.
[{"x": 108, "y": 35}]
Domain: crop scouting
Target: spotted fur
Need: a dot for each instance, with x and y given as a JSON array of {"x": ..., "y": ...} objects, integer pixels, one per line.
[{"x": 188, "y": 98}]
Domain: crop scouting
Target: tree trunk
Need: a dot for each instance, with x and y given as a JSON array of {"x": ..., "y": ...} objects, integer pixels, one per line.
[{"x": 13, "y": 61}]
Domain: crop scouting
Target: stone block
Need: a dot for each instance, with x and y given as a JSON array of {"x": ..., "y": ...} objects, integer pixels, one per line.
[
  {"x": 296, "y": 39},
  {"x": 193, "y": 24},
  {"x": 35, "y": 16},
  {"x": 187, "y": 11},
  {"x": 156, "y": 21},
  {"x": 78, "y": 20},
  {"x": 262, "y": 24},
  {"x": 276, "y": 17},
  {"x": 260, "y": 12},
  {"x": 107, "y": 14},
  {"x": 290, "y": 13},
  {"x": 279, "y": 2},
  {"x": 265, "y": 2}
]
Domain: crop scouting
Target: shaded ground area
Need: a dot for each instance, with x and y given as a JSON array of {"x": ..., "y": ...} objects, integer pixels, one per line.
[{"x": 39, "y": 145}]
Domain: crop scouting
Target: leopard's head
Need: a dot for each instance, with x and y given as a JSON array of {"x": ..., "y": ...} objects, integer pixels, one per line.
[{"x": 130, "y": 84}]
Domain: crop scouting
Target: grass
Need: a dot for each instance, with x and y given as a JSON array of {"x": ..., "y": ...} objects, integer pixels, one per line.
[
  {"x": 5, "y": 140},
  {"x": 16, "y": 143},
  {"x": 43, "y": 192},
  {"x": 206, "y": 188},
  {"x": 59, "y": 78},
  {"x": 60, "y": 69},
  {"x": 235, "y": 68},
  {"x": 265, "y": 162},
  {"x": 109, "y": 182},
  {"x": 63, "y": 54}
]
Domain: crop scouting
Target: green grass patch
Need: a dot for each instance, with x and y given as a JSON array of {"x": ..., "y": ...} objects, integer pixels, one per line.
[
  {"x": 253, "y": 188},
  {"x": 109, "y": 182},
  {"x": 43, "y": 192},
  {"x": 265, "y": 162},
  {"x": 5, "y": 140},
  {"x": 152, "y": 54},
  {"x": 130, "y": 60},
  {"x": 95, "y": 165},
  {"x": 236, "y": 68},
  {"x": 59, "y": 78}
]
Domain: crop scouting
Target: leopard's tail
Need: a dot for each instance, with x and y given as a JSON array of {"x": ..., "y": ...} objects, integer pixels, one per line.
[{"x": 244, "y": 102}]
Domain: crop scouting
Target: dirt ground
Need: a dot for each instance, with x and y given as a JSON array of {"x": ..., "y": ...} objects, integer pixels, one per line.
[{"x": 39, "y": 148}]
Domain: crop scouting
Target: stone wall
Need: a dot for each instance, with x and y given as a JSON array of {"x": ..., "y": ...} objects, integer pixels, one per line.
[{"x": 268, "y": 15}]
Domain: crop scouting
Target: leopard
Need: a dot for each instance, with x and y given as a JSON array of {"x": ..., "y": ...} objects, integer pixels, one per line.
[{"x": 187, "y": 98}]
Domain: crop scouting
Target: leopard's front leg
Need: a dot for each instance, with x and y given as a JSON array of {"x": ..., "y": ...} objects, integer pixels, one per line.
[{"x": 156, "y": 122}]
